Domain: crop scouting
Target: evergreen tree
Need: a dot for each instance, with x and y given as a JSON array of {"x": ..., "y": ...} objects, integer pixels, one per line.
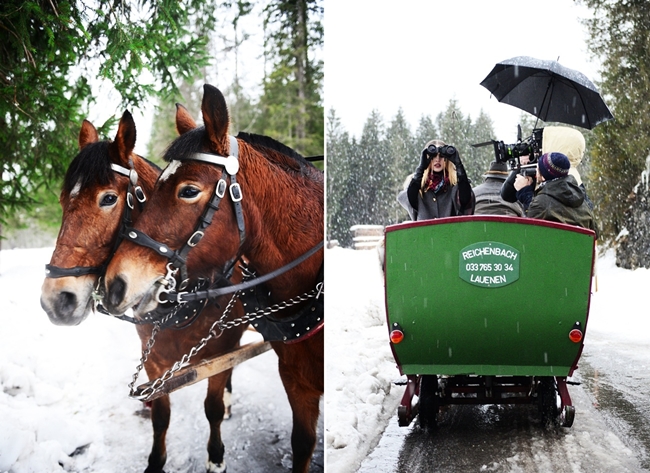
[
  {"x": 400, "y": 145},
  {"x": 52, "y": 50},
  {"x": 338, "y": 176},
  {"x": 369, "y": 172},
  {"x": 619, "y": 36},
  {"x": 479, "y": 158},
  {"x": 455, "y": 129},
  {"x": 426, "y": 131},
  {"x": 291, "y": 103}
]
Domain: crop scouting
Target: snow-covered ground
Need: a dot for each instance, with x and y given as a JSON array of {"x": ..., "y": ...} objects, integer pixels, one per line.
[
  {"x": 64, "y": 398},
  {"x": 361, "y": 401}
]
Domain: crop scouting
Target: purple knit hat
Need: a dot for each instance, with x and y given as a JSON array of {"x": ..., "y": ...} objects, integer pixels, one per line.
[{"x": 553, "y": 165}]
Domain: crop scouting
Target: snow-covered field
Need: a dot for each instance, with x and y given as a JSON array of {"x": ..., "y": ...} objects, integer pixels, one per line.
[
  {"x": 361, "y": 401},
  {"x": 64, "y": 398}
]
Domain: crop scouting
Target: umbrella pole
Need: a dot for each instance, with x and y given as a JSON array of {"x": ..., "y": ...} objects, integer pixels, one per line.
[{"x": 548, "y": 87}]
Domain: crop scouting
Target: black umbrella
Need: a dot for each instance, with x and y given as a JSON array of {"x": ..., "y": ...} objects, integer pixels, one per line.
[{"x": 548, "y": 90}]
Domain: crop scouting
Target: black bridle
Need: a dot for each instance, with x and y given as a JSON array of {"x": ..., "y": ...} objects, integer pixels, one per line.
[
  {"x": 177, "y": 259},
  {"x": 133, "y": 189}
]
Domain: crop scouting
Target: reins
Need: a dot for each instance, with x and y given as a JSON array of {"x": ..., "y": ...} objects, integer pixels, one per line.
[{"x": 182, "y": 297}]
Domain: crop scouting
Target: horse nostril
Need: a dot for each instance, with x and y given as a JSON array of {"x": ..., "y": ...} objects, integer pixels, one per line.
[
  {"x": 116, "y": 291},
  {"x": 66, "y": 304}
]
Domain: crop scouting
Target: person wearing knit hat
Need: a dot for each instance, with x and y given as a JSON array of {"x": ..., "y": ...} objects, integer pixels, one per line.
[
  {"x": 567, "y": 141},
  {"x": 488, "y": 194},
  {"x": 570, "y": 142},
  {"x": 553, "y": 165},
  {"x": 558, "y": 196}
]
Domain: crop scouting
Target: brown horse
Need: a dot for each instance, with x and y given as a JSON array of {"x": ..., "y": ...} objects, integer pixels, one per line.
[
  {"x": 94, "y": 200},
  {"x": 273, "y": 214}
]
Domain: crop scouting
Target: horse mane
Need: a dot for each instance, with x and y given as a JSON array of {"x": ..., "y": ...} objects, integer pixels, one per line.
[
  {"x": 261, "y": 142},
  {"x": 89, "y": 168},
  {"x": 92, "y": 167},
  {"x": 183, "y": 147}
]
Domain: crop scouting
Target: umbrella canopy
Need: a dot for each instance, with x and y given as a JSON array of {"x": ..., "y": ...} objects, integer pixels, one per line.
[{"x": 548, "y": 90}]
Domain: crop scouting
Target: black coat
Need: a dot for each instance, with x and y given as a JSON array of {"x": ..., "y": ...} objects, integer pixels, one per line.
[{"x": 562, "y": 200}]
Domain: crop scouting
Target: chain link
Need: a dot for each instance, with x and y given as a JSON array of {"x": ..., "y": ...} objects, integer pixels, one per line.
[{"x": 158, "y": 384}]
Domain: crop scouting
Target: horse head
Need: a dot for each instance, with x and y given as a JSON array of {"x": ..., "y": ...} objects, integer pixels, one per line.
[
  {"x": 261, "y": 210},
  {"x": 94, "y": 202}
]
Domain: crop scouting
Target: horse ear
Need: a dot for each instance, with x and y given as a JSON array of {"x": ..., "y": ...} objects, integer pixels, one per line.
[
  {"x": 88, "y": 134},
  {"x": 184, "y": 121},
  {"x": 215, "y": 117},
  {"x": 125, "y": 138}
]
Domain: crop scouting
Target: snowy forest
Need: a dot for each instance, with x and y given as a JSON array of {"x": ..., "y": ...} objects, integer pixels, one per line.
[
  {"x": 63, "y": 61},
  {"x": 364, "y": 174}
]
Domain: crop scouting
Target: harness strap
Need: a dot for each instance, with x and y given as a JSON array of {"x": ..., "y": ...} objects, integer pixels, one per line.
[
  {"x": 180, "y": 297},
  {"x": 143, "y": 239},
  {"x": 57, "y": 272}
]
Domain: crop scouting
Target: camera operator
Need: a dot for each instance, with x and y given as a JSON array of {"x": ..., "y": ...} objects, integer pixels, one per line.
[
  {"x": 558, "y": 197},
  {"x": 439, "y": 187},
  {"x": 562, "y": 139},
  {"x": 571, "y": 143}
]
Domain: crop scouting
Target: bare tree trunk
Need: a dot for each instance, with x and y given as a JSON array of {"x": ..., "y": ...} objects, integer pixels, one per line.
[{"x": 300, "y": 47}]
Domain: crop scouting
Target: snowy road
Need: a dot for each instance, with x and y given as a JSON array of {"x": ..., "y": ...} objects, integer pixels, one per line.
[{"x": 611, "y": 432}]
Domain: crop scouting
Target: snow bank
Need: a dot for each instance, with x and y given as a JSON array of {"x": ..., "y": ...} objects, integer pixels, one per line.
[{"x": 360, "y": 397}]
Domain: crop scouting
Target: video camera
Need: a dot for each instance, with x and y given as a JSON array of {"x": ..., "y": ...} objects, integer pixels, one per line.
[{"x": 511, "y": 153}]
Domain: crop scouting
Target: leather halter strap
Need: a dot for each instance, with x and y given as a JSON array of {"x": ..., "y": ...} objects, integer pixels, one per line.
[{"x": 178, "y": 258}]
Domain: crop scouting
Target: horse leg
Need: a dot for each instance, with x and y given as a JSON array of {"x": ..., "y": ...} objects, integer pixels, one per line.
[
  {"x": 214, "y": 411},
  {"x": 227, "y": 398},
  {"x": 160, "y": 414},
  {"x": 305, "y": 409}
]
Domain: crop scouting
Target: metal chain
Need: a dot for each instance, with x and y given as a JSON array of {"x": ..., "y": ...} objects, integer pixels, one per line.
[
  {"x": 143, "y": 358},
  {"x": 158, "y": 384}
]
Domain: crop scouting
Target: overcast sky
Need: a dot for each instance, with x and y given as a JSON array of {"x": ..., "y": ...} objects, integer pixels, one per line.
[{"x": 419, "y": 54}]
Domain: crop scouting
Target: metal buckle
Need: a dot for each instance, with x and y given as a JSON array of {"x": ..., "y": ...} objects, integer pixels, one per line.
[
  {"x": 235, "y": 192},
  {"x": 167, "y": 283},
  {"x": 139, "y": 194},
  {"x": 129, "y": 200},
  {"x": 198, "y": 235},
  {"x": 220, "y": 190}
]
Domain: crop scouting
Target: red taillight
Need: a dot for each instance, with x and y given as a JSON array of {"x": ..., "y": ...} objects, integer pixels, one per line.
[
  {"x": 396, "y": 336},
  {"x": 575, "y": 335}
]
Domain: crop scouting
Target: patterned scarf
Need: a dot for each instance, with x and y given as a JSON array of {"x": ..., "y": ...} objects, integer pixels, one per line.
[{"x": 437, "y": 181}]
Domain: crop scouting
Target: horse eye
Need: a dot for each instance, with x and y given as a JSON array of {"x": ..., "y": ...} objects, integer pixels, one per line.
[
  {"x": 188, "y": 192},
  {"x": 108, "y": 200}
]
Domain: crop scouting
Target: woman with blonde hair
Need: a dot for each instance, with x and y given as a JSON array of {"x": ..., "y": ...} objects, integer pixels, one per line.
[{"x": 439, "y": 187}]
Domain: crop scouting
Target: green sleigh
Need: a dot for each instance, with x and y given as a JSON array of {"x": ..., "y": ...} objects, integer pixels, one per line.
[{"x": 487, "y": 310}]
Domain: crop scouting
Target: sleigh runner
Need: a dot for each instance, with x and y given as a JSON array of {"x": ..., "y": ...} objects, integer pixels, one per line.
[{"x": 487, "y": 310}]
